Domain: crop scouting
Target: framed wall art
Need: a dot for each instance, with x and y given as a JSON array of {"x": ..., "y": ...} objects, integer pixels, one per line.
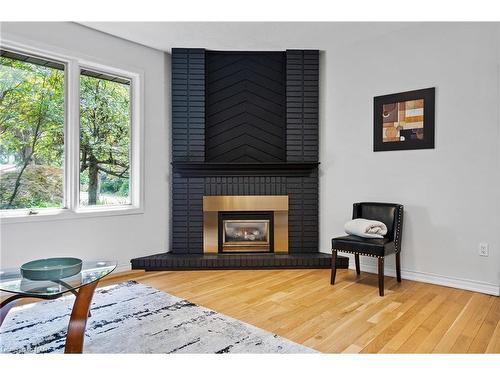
[{"x": 404, "y": 121}]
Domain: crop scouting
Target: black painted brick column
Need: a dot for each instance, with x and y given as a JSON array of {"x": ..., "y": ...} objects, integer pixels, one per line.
[
  {"x": 187, "y": 215},
  {"x": 303, "y": 214},
  {"x": 188, "y": 104},
  {"x": 302, "y": 95},
  {"x": 302, "y": 108},
  {"x": 188, "y": 144}
]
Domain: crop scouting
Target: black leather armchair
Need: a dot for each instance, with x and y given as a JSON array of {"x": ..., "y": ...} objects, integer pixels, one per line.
[{"x": 391, "y": 214}]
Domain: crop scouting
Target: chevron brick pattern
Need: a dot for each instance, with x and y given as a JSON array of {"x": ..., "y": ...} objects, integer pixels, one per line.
[{"x": 245, "y": 107}]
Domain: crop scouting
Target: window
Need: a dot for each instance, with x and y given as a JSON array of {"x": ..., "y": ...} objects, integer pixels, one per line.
[
  {"x": 69, "y": 137},
  {"x": 31, "y": 132},
  {"x": 104, "y": 139}
]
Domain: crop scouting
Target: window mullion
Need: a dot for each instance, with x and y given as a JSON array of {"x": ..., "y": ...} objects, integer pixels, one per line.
[{"x": 73, "y": 140}]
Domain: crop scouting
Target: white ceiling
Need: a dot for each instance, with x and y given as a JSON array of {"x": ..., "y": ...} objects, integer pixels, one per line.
[{"x": 246, "y": 35}]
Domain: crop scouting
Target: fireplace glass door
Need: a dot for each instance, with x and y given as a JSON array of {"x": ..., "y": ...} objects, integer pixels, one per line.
[{"x": 245, "y": 232}]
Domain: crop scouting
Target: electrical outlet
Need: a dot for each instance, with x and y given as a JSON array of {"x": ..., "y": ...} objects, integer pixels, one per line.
[{"x": 483, "y": 249}]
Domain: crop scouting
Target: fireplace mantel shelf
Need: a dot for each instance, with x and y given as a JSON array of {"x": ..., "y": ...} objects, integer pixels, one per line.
[{"x": 206, "y": 169}]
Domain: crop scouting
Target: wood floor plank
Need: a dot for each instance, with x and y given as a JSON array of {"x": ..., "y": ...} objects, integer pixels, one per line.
[
  {"x": 451, "y": 341},
  {"x": 424, "y": 330},
  {"x": 494, "y": 344},
  {"x": 376, "y": 345},
  {"x": 486, "y": 332},
  {"x": 406, "y": 300},
  {"x": 452, "y": 308},
  {"x": 473, "y": 325}
]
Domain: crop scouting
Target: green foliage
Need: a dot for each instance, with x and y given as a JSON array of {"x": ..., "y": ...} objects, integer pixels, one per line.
[
  {"x": 114, "y": 185},
  {"x": 41, "y": 187},
  {"x": 109, "y": 184},
  {"x": 31, "y": 113}
]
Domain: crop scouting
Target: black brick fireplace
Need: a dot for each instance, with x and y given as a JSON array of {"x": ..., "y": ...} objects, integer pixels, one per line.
[{"x": 243, "y": 124}]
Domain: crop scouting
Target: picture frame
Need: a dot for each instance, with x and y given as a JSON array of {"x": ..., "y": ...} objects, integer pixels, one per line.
[{"x": 404, "y": 121}]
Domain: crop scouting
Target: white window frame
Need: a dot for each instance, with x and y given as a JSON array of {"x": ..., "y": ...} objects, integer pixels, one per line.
[{"x": 71, "y": 196}]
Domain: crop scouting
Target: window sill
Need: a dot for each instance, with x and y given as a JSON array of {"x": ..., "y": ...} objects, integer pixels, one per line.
[{"x": 65, "y": 214}]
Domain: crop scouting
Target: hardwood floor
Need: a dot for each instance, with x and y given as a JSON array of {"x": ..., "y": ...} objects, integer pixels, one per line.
[{"x": 348, "y": 317}]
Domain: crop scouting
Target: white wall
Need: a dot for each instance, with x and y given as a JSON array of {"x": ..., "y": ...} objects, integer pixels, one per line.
[
  {"x": 451, "y": 193},
  {"x": 114, "y": 237}
]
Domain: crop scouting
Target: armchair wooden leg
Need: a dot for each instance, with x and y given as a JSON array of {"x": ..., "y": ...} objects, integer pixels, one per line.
[
  {"x": 381, "y": 276},
  {"x": 398, "y": 266},
  {"x": 334, "y": 266},
  {"x": 356, "y": 260}
]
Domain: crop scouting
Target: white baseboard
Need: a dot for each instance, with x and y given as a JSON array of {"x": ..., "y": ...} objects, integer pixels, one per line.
[{"x": 431, "y": 278}]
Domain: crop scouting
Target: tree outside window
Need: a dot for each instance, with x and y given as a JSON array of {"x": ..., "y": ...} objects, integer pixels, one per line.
[
  {"x": 31, "y": 133},
  {"x": 104, "y": 140}
]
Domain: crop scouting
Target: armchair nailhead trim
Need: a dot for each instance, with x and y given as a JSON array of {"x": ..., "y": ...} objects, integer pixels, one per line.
[
  {"x": 357, "y": 252},
  {"x": 397, "y": 243}
]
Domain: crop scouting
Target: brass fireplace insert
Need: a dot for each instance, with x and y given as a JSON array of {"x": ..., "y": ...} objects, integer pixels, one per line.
[{"x": 246, "y": 235}]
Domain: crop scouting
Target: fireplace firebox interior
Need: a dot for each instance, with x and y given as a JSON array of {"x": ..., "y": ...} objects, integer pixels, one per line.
[{"x": 246, "y": 232}]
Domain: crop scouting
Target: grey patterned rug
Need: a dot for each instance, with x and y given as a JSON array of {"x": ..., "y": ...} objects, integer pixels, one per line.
[{"x": 135, "y": 318}]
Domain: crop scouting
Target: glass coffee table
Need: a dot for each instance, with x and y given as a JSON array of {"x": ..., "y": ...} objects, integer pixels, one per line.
[{"x": 82, "y": 285}]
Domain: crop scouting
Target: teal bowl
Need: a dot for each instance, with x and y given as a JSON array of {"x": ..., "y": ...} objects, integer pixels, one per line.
[{"x": 51, "y": 268}]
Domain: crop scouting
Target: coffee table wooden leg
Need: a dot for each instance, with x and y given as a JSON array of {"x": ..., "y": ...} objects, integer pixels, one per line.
[
  {"x": 78, "y": 320},
  {"x": 6, "y": 305},
  {"x": 72, "y": 291}
]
